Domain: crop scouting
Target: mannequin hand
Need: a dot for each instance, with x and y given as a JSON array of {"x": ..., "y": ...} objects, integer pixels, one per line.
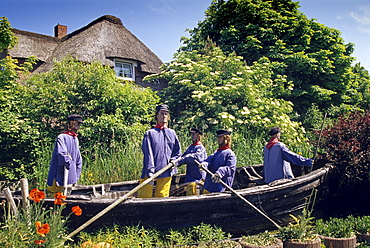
[
  {"x": 200, "y": 166},
  {"x": 216, "y": 178}
]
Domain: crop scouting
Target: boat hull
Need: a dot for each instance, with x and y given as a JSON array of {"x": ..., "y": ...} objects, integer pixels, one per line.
[{"x": 222, "y": 209}]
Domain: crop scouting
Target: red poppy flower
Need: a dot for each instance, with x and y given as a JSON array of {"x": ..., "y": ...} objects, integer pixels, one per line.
[
  {"x": 59, "y": 202},
  {"x": 59, "y": 195},
  {"x": 77, "y": 210},
  {"x": 36, "y": 195},
  {"x": 39, "y": 242},
  {"x": 59, "y": 198},
  {"x": 42, "y": 229}
]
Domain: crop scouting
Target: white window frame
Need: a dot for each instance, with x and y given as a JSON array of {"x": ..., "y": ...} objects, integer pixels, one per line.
[{"x": 124, "y": 62}]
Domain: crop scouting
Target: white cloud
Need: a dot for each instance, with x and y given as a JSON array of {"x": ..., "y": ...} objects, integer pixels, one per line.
[
  {"x": 364, "y": 17},
  {"x": 364, "y": 30},
  {"x": 162, "y": 6}
]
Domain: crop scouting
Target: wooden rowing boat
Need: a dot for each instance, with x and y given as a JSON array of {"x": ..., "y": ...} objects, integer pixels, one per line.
[{"x": 278, "y": 200}]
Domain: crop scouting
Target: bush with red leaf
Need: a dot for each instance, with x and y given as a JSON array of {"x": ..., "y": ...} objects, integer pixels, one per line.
[{"x": 347, "y": 145}]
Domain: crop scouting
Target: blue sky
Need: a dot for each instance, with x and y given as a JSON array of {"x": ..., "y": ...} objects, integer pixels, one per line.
[{"x": 161, "y": 23}]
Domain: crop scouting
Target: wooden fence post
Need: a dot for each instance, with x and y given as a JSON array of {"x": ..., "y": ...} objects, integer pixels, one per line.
[
  {"x": 9, "y": 197},
  {"x": 25, "y": 193}
]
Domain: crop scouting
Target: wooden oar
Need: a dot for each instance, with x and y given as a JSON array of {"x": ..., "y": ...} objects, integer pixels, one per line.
[
  {"x": 238, "y": 195},
  {"x": 65, "y": 178},
  {"x": 65, "y": 181},
  {"x": 118, "y": 201}
]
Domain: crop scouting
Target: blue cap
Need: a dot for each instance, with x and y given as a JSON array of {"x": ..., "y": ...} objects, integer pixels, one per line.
[
  {"x": 274, "y": 131},
  {"x": 162, "y": 107},
  {"x": 195, "y": 130},
  {"x": 223, "y": 132},
  {"x": 74, "y": 117}
]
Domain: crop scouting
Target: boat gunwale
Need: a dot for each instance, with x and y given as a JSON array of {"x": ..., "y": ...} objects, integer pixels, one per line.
[{"x": 260, "y": 189}]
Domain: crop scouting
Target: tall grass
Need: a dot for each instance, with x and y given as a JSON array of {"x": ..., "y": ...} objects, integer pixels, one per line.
[
  {"x": 40, "y": 174},
  {"x": 123, "y": 161}
]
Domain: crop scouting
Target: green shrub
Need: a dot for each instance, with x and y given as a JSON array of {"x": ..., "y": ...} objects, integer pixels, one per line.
[
  {"x": 334, "y": 228},
  {"x": 302, "y": 230},
  {"x": 112, "y": 109},
  {"x": 361, "y": 224},
  {"x": 260, "y": 239},
  {"x": 206, "y": 232}
]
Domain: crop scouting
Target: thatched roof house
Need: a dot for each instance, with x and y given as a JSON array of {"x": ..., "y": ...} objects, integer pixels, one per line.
[{"x": 104, "y": 39}]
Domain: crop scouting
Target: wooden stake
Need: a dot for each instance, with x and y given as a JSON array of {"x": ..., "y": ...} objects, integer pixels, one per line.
[
  {"x": 25, "y": 190},
  {"x": 10, "y": 199}
]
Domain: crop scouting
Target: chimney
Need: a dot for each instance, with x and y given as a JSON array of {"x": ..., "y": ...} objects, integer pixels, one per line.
[{"x": 60, "y": 31}]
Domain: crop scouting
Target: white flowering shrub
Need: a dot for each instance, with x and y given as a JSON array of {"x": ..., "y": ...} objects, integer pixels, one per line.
[{"x": 210, "y": 90}]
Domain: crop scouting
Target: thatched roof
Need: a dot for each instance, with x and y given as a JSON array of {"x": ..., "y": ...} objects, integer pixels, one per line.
[
  {"x": 34, "y": 44},
  {"x": 101, "y": 40}
]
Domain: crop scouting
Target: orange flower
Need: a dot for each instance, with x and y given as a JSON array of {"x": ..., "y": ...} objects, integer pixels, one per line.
[
  {"x": 59, "y": 198},
  {"x": 59, "y": 195},
  {"x": 59, "y": 202},
  {"x": 39, "y": 242},
  {"x": 77, "y": 210},
  {"x": 36, "y": 195},
  {"x": 42, "y": 229}
]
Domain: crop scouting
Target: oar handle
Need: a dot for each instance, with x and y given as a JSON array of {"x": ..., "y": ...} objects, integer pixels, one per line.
[
  {"x": 238, "y": 195},
  {"x": 123, "y": 198},
  {"x": 65, "y": 181}
]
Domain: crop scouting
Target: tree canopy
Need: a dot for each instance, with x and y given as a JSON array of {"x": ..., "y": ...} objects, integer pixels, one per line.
[
  {"x": 7, "y": 39},
  {"x": 310, "y": 55}
]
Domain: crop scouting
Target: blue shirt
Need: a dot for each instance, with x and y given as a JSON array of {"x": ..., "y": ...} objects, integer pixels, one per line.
[
  {"x": 66, "y": 154},
  {"x": 159, "y": 147},
  {"x": 222, "y": 162},
  {"x": 194, "y": 152},
  {"x": 277, "y": 161}
]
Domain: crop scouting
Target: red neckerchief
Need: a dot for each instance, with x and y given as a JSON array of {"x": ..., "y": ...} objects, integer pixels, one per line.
[
  {"x": 223, "y": 147},
  {"x": 197, "y": 143},
  {"x": 272, "y": 142},
  {"x": 159, "y": 126},
  {"x": 71, "y": 133}
]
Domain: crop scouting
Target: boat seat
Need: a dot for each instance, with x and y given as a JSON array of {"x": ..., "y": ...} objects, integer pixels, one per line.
[
  {"x": 247, "y": 177},
  {"x": 253, "y": 175}
]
